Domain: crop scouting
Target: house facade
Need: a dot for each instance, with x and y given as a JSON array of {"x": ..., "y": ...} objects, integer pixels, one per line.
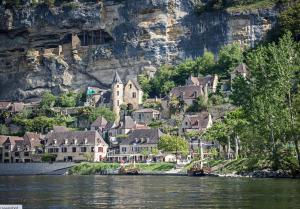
[
  {"x": 211, "y": 81},
  {"x": 137, "y": 146},
  {"x": 146, "y": 115},
  {"x": 76, "y": 146},
  {"x": 20, "y": 149}
]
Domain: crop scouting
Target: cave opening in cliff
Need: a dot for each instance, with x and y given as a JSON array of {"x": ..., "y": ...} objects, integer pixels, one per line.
[{"x": 94, "y": 37}]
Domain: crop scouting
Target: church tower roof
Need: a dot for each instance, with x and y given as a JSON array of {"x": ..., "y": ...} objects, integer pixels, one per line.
[{"x": 117, "y": 78}]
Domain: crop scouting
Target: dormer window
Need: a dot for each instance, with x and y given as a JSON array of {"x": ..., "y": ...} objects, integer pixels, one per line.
[
  {"x": 55, "y": 141},
  {"x": 75, "y": 141},
  {"x": 85, "y": 141},
  {"x": 66, "y": 141}
]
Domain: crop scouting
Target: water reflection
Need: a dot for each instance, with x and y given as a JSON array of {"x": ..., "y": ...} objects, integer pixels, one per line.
[{"x": 148, "y": 192}]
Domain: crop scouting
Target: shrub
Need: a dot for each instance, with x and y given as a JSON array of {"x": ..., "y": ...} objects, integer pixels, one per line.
[{"x": 47, "y": 157}]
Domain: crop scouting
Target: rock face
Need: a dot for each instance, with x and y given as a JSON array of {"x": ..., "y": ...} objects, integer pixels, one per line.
[{"x": 81, "y": 44}]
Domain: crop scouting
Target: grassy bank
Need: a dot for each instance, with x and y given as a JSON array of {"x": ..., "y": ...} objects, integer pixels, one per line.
[
  {"x": 155, "y": 166},
  {"x": 94, "y": 168}
]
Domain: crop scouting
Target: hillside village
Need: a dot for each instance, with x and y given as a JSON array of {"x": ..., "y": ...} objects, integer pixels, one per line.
[{"x": 135, "y": 132}]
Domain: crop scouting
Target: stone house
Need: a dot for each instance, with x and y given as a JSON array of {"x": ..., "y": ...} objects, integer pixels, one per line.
[
  {"x": 138, "y": 142},
  {"x": 76, "y": 146},
  {"x": 131, "y": 94},
  {"x": 210, "y": 81},
  {"x": 188, "y": 94},
  {"x": 146, "y": 115},
  {"x": 20, "y": 149},
  {"x": 198, "y": 122}
]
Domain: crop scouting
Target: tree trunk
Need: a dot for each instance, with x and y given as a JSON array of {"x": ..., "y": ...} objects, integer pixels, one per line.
[
  {"x": 236, "y": 140},
  {"x": 297, "y": 150},
  {"x": 228, "y": 147}
]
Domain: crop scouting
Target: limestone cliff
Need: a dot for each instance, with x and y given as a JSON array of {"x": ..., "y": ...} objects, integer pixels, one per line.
[{"x": 77, "y": 45}]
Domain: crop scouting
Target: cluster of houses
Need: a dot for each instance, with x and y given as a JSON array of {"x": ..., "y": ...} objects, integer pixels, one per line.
[{"x": 129, "y": 137}]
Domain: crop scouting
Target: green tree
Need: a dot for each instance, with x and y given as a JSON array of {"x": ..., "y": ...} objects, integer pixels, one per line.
[
  {"x": 205, "y": 64},
  {"x": 48, "y": 100},
  {"x": 4, "y": 129},
  {"x": 68, "y": 100},
  {"x": 230, "y": 56},
  {"x": 174, "y": 144},
  {"x": 200, "y": 104},
  {"x": 263, "y": 98},
  {"x": 289, "y": 20},
  {"x": 101, "y": 111}
]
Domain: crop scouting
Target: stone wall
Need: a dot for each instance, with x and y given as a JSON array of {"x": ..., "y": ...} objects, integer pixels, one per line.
[
  {"x": 60, "y": 49},
  {"x": 34, "y": 168}
]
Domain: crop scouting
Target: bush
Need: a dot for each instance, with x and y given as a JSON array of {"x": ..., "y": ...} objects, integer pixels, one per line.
[{"x": 47, "y": 157}]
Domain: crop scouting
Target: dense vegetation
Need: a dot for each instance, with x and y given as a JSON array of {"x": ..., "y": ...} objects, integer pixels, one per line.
[
  {"x": 237, "y": 5},
  {"x": 168, "y": 76},
  {"x": 49, "y": 114},
  {"x": 266, "y": 124}
]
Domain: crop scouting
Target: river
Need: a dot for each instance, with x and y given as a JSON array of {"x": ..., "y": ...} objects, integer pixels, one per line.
[{"x": 68, "y": 192}]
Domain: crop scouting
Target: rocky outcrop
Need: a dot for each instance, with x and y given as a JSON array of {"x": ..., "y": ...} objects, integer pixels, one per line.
[{"x": 81, "y": 44}]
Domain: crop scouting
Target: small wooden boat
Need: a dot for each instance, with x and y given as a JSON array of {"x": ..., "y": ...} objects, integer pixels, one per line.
[{"x": 198, "y": 170}]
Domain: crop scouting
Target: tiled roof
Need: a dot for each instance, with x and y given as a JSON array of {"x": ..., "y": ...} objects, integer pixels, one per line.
[
  {"x": 71, "y": 136},
  {"x": 99, "y": 122},
  {"x": 200, "y": 120},
  {"x": 34, "y": 139},
  {"x": 143, "y": 136},
  {"x": 147, "y": 110},
  {"x": 209, "y": 79},
  {"x": 58, "y": 129},
  {"x": 128, "y": 123},
  {"x": 13, "y": 140},
  {"x": 188, "y": 92}
]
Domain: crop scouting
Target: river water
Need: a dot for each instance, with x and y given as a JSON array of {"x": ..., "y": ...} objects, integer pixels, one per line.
[{"x": 65, "y": 192}]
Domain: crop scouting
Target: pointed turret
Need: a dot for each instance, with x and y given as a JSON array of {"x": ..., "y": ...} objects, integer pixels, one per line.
[{"x": 117, "y": 78}]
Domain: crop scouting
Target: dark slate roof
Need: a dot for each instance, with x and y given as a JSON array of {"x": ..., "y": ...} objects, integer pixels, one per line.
[
  {"x": 142, "y": 136},
  {"x": 188, "y": 92},
  {"x": 117, "y": 78},
  {"x": 99, "y": 122},
  {"x": 80, "y": 136},
  {"x": 128, "y": 123}
]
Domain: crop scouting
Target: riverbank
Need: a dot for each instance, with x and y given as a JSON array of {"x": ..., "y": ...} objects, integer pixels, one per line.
[
  {"x": 112, "y": 168},
  {"x": 221, "y": 168},
  {"x": 253, "y": 168}
]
